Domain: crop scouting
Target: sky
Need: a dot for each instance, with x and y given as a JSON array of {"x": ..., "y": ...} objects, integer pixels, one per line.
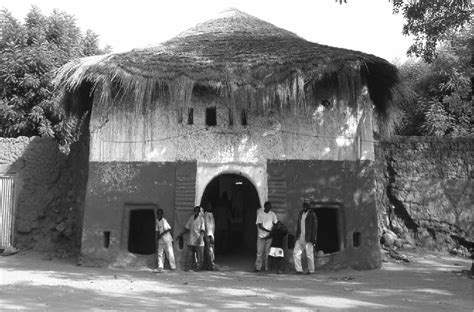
[{"x": 363, "y": 25}]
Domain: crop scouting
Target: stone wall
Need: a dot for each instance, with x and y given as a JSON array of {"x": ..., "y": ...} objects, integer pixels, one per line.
[
  {"x": 46, "y": 217},
  {"x": 425, "y": 190}
]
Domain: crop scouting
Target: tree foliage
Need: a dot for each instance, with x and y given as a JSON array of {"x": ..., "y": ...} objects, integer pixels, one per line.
[
  {"x": 442, "y": 92},
  {"x": 436, "y": 93},
  {"x": 431, "y": 22},
  {"x": 30, "y": 52}
]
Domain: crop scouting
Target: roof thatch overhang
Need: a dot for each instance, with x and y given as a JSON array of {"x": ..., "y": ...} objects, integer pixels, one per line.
[{"x": 239, "y": 55}]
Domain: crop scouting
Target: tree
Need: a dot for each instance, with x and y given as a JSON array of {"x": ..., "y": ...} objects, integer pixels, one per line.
[
  {"x": 30, "y": 53},
  {"x": 442, "y": 91},
  {"x": 435, "y": 94},
  {"x": 430, "y": 22}
]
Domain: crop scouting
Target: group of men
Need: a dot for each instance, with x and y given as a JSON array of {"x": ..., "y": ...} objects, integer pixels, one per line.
[
  {"x": 306, "y": 235},
  {"x": 200, "y": 240},
  {"x": 200, "y": 228}
]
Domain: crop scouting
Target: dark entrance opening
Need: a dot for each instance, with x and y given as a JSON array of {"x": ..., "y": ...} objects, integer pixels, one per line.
[
  {"x": 141, "y": 234},
  {"x": 211, "y": 116},
  {"x": 235, "y": 202},
  {"x": 330, "y": 226}
]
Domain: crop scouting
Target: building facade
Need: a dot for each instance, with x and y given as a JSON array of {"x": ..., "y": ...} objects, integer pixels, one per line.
[{"x": 204, "y": 119}]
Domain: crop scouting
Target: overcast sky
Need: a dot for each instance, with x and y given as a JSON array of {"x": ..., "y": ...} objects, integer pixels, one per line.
[{"x": 364, "y": 25}]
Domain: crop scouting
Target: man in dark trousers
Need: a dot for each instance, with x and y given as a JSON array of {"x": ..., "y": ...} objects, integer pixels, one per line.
[{"x": 306, "y": 235}]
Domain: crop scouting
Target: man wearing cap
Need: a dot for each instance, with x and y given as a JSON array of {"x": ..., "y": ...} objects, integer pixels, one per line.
[{"x": 306, "y": 234}]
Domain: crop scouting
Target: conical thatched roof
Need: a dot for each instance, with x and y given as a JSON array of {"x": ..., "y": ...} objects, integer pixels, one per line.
[{"x": 233, "y": 51}]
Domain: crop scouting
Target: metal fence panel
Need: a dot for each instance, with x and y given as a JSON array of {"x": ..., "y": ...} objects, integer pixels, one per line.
[{"x": 7, "y": 210}]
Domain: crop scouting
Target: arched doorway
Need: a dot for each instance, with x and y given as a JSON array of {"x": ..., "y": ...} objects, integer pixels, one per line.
[{"x": 235, "y": 202}]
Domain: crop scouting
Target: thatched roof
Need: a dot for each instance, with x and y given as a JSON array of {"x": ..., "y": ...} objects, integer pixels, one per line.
[{"x": 233, "y": 52}]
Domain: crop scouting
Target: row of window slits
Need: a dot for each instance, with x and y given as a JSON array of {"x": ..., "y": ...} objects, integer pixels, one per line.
[{"x": 211, "y": 117}]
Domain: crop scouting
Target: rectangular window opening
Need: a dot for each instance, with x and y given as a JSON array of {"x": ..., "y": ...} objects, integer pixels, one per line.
[
  {"x": 180, "y": 243},
  {"x": 106, "y": 235},
  {"x": 231, "y": 118},
  {"x": 190, "y": 116},
  {"x": 179, "y": 115},
  {"x": 211, "y": 116},
  {"x": 243, "y": 117},
  {"x": 356, "y": 239}
]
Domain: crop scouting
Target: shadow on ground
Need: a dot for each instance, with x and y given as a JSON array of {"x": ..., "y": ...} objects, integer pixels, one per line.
[{"x": 430, "y": 283}]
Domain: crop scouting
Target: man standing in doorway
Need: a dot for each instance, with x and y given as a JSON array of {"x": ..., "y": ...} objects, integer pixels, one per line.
[
  {"x": 195, "y": 228},
  {"x": 209, "y": 222},
  {"x": 306, "y": 233},
  {"x": 265, "y": 221}
]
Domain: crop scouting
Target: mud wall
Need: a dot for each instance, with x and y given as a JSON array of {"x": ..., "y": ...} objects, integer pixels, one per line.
[
  {"x": 129, "y": 141},
  {"x": 114, "y": 190},
  {"x": 425, "y": 190},
  {"x": 350, "y": 185},
  {"x": 46, "y": 217}
]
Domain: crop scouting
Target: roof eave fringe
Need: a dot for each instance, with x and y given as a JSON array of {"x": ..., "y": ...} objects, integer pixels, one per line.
[{"x": 112, "y": 83}]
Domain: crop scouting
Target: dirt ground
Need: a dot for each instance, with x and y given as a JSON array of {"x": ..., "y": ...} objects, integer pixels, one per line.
[{"x": 36, "y": 282}]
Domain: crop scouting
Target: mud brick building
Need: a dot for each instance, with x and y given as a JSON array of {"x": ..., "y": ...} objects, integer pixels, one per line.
[{"x": 237, "y": 106}]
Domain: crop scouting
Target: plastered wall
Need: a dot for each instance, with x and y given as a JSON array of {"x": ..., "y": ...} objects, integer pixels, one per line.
[{"x": 152, "y": 133}]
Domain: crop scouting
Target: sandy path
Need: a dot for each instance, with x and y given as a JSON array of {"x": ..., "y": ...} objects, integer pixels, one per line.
[{"x": 429, "y": 283}]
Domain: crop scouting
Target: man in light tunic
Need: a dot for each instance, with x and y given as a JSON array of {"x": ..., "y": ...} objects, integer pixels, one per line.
[
  {"x": 265, "y": 221},
  {"x": 195, "y": 228},
  {"x": 306, "y": 233},
  {"x": 165, "y": 242}
]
